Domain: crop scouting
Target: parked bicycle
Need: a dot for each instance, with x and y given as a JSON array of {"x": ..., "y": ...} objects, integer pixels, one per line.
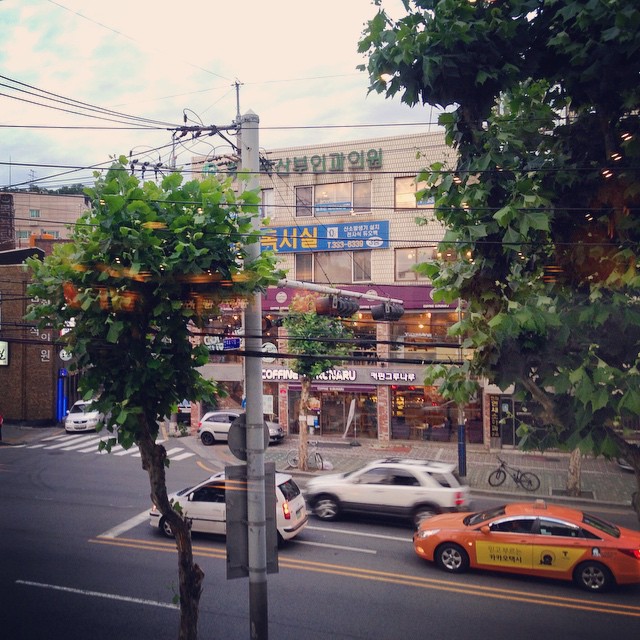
[
  {"x": 526, "y": 479},
  {"x": 314, "y": 459}
]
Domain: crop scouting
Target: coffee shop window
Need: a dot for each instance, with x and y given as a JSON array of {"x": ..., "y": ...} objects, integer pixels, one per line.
[{"x": 415, "y": 334}]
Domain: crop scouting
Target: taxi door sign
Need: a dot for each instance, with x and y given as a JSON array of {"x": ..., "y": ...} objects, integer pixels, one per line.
[
  {"x": 528, "y": 556},
  {"x": 556, "y": 558},
  {"x": 504, "y": 555}
]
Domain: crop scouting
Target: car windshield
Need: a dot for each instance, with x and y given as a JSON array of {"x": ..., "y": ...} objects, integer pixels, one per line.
[
  {"x": 601, "y": 525},
  {"x": 78, "y": 408},
  {"x": 483, "y": 516}
]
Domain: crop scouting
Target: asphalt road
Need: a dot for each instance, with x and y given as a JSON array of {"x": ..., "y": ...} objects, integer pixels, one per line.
[{"x": 79, "y": 560}]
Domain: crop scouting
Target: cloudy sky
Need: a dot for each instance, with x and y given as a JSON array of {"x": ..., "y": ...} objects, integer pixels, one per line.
[{"x": 64, "y": 62}]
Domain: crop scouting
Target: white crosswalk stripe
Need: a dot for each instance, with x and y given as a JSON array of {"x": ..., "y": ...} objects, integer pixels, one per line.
[{"x": 89, "y": 443}]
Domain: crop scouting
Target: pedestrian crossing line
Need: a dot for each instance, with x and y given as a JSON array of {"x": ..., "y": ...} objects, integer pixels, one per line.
[
  {"x": 78, "y": 445},
  {"x": 64, "y": 436},
  {"x": 90, "y": 443},
  {"x": 61, "y": 445}
]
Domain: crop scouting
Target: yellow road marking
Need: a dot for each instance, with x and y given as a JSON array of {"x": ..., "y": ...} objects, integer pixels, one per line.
[{"x": 395, "y": 578}]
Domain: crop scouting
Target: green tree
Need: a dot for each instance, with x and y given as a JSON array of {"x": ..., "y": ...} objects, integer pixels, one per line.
[
  {"x": 311, "y": 338},
  {"x": 541, "y": 103},
  {"x": 145, "y": 265}
]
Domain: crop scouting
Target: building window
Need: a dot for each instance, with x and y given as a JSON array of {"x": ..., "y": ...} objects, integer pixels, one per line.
[
  {"x": 408, "y": 258},
  {"x": 23, "y": 235},
  {"x": 362, "y": 197},
  {"x": 267, "y": 204},
  {"x": 334, "y": 267},
  {"x": 34, "y": 213},
  {"x": 338, "y": 198},
  {"x": 304, "y": 201},
  {"x": 304, "y": 267},
  {"x": 405, "y": 194},
  {"x": 50, "y": 234}
]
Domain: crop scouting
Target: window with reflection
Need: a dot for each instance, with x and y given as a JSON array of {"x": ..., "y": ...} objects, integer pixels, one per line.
[
  {"x": 334, "y": 267},
  {"x": 407, "y": 258},
  {"x": 336, "y": 198},
  {"x": 413, "y": 334},
  {"x": 405, "y": 194}
]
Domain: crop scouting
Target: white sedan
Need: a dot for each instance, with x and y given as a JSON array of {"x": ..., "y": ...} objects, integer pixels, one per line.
[
  {"x": 214, "y": 427},
  {"x": 205, "y": 505}
]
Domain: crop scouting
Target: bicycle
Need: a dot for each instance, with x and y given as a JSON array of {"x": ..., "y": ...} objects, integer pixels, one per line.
[
  {"x": 314, "y": 459},
  {"x": 526, "y": 479}
]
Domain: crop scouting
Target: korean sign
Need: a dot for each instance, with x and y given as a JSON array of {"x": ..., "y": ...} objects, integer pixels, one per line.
[
  {"x": 330, "y": 237},
  {"x": 329, "y": 162}
]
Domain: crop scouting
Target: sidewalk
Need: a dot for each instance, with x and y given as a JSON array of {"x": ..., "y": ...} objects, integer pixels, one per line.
[{"x": 603, "y": 482}]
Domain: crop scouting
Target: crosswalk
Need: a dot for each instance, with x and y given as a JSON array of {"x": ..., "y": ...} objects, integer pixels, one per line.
[{"x": 90, "y": 443}]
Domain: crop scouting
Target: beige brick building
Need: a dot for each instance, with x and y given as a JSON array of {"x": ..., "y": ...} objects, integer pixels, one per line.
[{"x": 345, "y": 215}]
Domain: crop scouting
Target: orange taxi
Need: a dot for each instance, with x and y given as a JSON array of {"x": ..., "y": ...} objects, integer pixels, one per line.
[{"x": 534, "y": 539}]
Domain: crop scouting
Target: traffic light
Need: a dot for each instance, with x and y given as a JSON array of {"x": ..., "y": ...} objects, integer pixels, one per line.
[
  {"x": 337, "y": 306},
  {"x": 387, "y": 311}
]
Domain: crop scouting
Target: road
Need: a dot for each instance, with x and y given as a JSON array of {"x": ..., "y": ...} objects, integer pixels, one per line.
[{"x": 80, "y": 561}]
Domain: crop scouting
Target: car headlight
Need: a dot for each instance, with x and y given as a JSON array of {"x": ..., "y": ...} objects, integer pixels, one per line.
[{"x": 426, "y": 533}]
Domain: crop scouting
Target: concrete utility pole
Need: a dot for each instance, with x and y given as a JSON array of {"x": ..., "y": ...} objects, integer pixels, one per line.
[{"x": 256, "y": 513}]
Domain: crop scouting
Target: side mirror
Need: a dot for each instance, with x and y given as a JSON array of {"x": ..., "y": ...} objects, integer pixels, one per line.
[{"x": 485, "y": 529}]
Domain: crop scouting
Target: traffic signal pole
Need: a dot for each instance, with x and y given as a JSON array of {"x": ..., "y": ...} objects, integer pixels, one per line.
[{"x": 256, "y": 512}]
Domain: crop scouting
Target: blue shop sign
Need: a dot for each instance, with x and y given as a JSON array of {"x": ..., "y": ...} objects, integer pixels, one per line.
[{"x": 348, "y": 236}]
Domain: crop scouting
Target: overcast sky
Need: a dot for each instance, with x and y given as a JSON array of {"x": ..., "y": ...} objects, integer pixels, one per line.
[{"x": 295, "y": 59}]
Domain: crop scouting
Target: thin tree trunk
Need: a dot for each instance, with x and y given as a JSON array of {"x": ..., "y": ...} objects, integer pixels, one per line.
[
  {"x": 574, "y": 474},
  {"x": 302, "y": 422},
  {"x": 190, "y": 576}
]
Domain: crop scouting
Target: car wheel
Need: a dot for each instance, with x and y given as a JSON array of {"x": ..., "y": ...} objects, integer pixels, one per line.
[
  {"x": 423, "y": 512},
  {"x": 326, "y": 508},
  {"x": 593, "y": 576},
  {"x": 452, "y": 558},
  {"x": 166, "y": 528},
  {"x": 207, "y": 438}
]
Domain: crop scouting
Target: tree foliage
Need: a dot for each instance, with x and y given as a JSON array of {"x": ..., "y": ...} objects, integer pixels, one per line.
[
  {"x": 541, "y": 103},
  {"x": 318, "y": 342},
  {"x": 145, "y": 265}
]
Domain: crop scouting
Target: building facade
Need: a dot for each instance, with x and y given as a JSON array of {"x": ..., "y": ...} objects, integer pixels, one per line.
[
  {"x": 45, "y": 215},
  {"x": 345, "y": 215}
]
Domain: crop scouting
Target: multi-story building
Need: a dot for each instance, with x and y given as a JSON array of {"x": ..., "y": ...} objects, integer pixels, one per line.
[
  {"x": 45, "y": 215},
  {"x": 345, "y": 215}
]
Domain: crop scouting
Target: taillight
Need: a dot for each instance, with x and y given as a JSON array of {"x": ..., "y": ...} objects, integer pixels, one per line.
[
  {"x": 634, "y": 553},
  {"x": 286, "y": 512},
  {"x": 459, "y": 499}
]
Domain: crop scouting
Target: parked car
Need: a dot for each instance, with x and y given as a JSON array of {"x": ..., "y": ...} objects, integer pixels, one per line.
[
  {"x": 214, "y": 427},
  {"x": 402, "y": 487},
  {"x": 533, "y": 539},
  {"x": 81, "y": 417},
  {"x": 205, "y": 505}
]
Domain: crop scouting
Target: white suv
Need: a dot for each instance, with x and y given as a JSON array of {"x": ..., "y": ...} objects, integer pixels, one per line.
[{"x": 407, "y": 488}]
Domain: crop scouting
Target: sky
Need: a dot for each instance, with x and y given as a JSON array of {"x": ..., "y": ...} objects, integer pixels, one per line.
[{"x": 294, "y": 61}]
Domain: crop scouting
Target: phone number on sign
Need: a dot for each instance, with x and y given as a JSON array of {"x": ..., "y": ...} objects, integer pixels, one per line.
[{"x": 345, "y": 244}]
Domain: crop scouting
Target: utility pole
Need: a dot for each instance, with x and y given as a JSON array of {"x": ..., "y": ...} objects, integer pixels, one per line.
[{"x": 256, "y": 512}]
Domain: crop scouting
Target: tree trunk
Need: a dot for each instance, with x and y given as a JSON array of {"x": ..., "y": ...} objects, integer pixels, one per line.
[
  {"x": 302, "y": 423},
  {"x": 574, "y": 474},
  {"x": 190, "y": 575}
]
